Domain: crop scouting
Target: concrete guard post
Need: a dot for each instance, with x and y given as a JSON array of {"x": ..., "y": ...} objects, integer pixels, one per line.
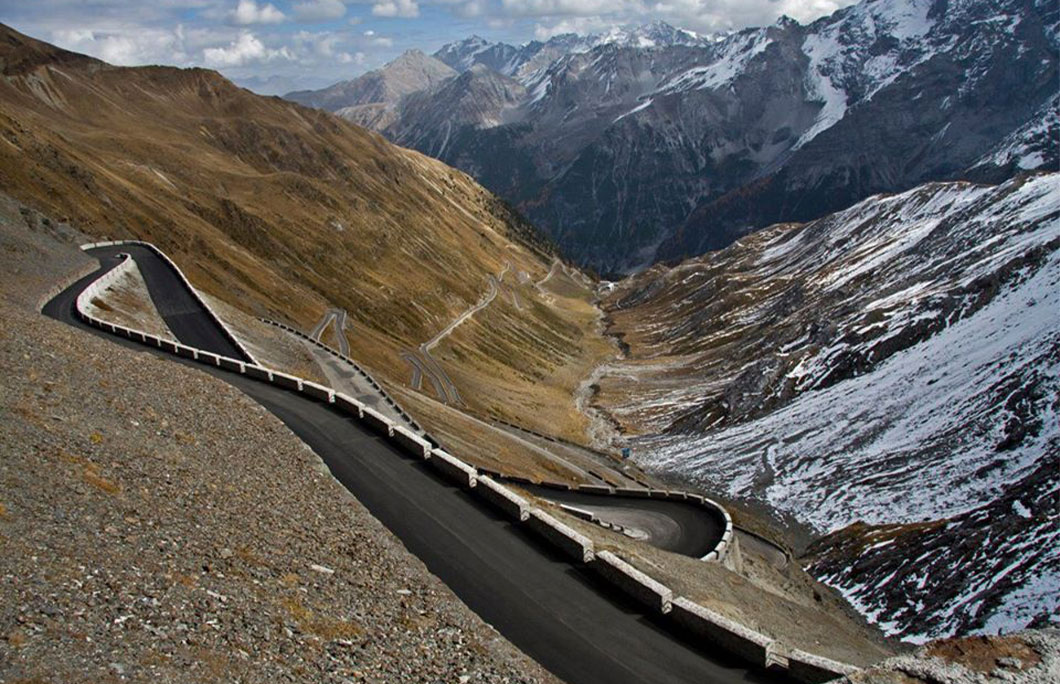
[
  {"x": 257, "y": 372},
  {"x": 629, "y": 491},
  {"x": 318, "y": 392},
  {"x": 349, "y": 405},
  {"x": 632, "y": 582},
  {"x": 187, "y": 352},
  {"x": 453, "y": 468},
  {"x": 569, "y": 541},
  {"x": 502, "y": 498},
  {"x": 286, "y": 381},
  {"x": 730, "y": 636},
  {"x": 813, "y": 669},
  {"x": 376, "y": 421},
  {"x": 411, "y": 443},
  {"x": 209, "y": 358},
  {"x": 231, "y": 365}
]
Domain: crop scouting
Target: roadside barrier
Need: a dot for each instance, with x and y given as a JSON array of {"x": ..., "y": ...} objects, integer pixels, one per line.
[
  {"x": 701, "y": 623},
  {"x": 814, "y": 669},
  {"x": 410, "y": 442},
  {"x": 508, "y": 502},
  {"x": 643, "y": 589},
  {"x": 565, "y": 538},
  {"x": 718, "y": 630},
  {"x": 453, "y": 468},
  {"x": 360, "y": 371}
]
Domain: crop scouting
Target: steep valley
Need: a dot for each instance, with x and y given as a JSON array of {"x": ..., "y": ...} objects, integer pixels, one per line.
[
  {"x": 883, "y": 380},
  {"x": 888, "y": 374},
  {"x": 632, "y": 147}
]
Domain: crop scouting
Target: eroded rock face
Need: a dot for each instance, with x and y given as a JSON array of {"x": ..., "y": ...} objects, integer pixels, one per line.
[{"x": 1030, "y": 657}]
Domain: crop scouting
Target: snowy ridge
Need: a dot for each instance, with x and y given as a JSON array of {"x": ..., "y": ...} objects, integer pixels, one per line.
[
  {"x": 782, "y": 123},
  {"x": 913, "y": 375},
  {"x": 838, "y": 59},
  {"x": 732, "y": 60}
]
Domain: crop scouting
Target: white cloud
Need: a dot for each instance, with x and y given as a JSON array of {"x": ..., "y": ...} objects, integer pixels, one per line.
[
  {"x": 319, "y": 10},
  {"x": 580, "y": 25},
  {"x": 128, "y": 48},
  {"x": 244, "y": 50},
  {"x": 472, "y": 8},
  {"x": 569, "y": 8},
  {"x": 396, "y": 8},
  {"x": 248, "y": 12}
]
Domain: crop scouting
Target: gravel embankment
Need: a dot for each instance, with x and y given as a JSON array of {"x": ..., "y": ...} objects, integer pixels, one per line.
[{"x": 157, "y": 525}]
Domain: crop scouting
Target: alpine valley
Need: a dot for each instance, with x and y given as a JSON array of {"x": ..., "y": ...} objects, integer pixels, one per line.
[
  {"x": 786, "y": 299},
  {"x": 866, "y": 341}
]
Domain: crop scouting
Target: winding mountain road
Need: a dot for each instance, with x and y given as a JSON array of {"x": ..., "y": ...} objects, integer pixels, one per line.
[
  {"x": 339, "y": 317},
  {"x": 555, "y": 612}
]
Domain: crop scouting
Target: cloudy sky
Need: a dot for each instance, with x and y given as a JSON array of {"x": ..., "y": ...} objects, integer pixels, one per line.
[{"x": 277, "y": 45}]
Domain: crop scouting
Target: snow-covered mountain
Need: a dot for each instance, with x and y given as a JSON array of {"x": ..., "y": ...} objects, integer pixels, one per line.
[
  {"x": 889, "y": 374},
  {"x": 523, "y": 61},
  {"x": 1031, "y": 146},
  {"x": 654, "y": 143}
]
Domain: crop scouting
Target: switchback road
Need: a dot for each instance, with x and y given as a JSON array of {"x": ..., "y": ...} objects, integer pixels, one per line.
[{"x": 555, "y": 612}]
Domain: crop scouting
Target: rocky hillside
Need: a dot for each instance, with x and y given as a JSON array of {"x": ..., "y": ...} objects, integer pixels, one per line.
[
  {"x": 657, "y": 144},
  {"x": 1031, "y": 657},
  {"x": 285, "y": 211},
  {"x": 888, "y": 374}
]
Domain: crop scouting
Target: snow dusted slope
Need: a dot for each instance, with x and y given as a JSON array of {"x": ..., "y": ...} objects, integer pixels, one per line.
[
  {"x": 896, "y": 364},
  {"x": 1035, "y": 145}
]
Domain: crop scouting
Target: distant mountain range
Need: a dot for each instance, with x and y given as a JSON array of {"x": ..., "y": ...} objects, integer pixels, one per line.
[{"x": 658, "y": 143}]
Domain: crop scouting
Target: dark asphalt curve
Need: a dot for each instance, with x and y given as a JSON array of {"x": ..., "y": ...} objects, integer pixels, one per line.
[
  {"x": 690, "y": 530},
  {"x": 556, "y": 613}
]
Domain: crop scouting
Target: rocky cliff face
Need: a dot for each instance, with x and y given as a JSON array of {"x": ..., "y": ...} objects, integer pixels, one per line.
[
  {"x": 657, "y": 143},
  {"x": 887, "y": 374},
  {"x": 371, "y": 100}
]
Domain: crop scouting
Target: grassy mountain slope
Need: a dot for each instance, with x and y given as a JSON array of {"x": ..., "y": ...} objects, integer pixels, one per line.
[{"x": 278, "y": 209}]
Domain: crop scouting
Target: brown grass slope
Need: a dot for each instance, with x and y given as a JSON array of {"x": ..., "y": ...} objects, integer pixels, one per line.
[{"x": 275, "y": 208}]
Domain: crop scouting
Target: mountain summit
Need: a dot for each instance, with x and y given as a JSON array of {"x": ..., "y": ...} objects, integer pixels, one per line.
[{"x": 371, "y": 99}]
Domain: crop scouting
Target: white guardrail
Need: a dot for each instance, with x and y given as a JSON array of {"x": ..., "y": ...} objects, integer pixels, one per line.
[
  {"x": 699, "y": 622},
  {"x": 195, "y": 293}
]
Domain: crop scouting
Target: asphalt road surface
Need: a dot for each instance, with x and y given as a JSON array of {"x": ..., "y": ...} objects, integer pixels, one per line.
[
  {"x": 555, "y": 612},
  {"x": 671, "y": 525}
]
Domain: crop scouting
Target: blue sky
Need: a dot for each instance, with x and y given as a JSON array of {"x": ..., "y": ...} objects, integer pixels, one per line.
[{"x": 277, "y": 45}]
